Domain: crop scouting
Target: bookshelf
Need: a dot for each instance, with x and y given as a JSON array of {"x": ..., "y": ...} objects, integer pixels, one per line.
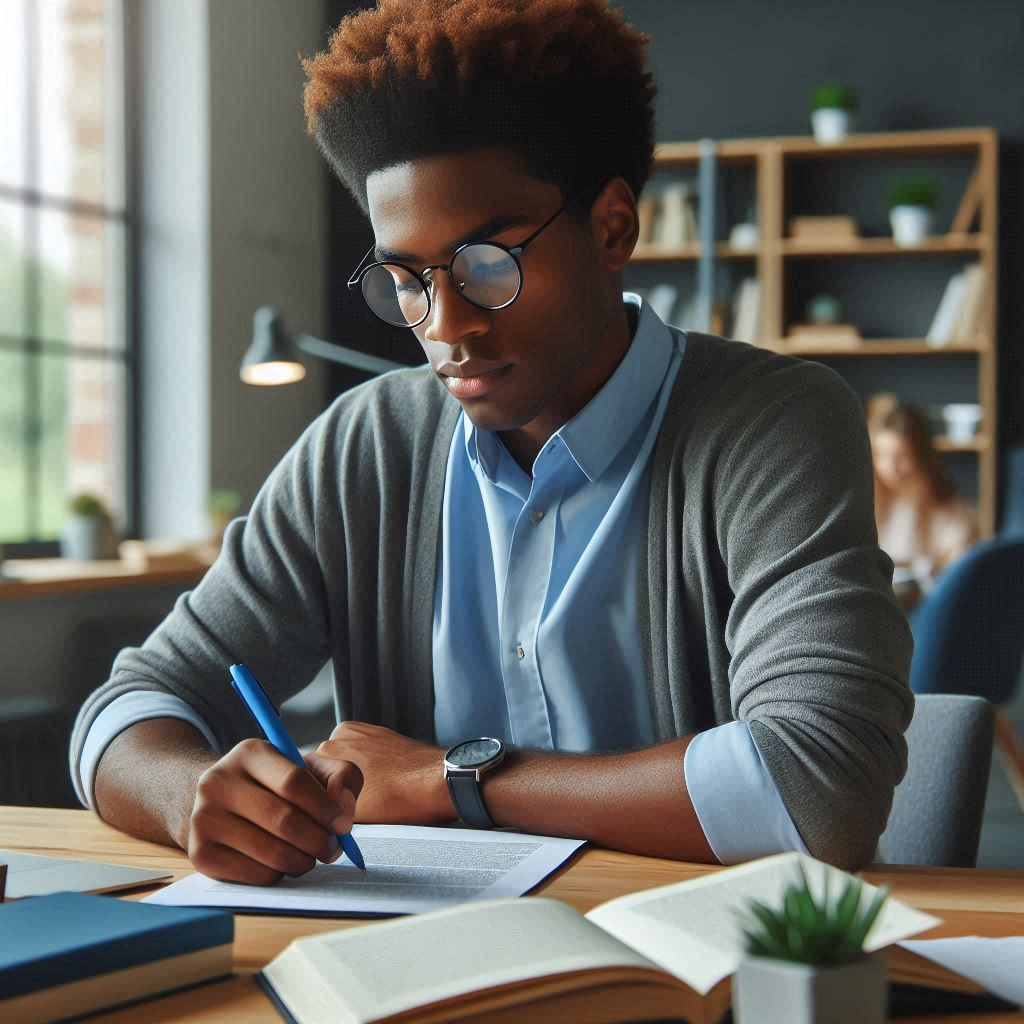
[{"x": 787, "y": 176}]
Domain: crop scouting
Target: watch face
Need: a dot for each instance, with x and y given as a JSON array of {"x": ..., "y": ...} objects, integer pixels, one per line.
[{"x": 473, "y": 753}]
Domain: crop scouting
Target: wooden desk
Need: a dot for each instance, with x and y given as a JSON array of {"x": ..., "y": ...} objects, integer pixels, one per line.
[{"x": 970, "y": 902}]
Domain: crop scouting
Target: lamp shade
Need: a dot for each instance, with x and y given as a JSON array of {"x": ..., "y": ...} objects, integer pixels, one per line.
[{"x": 270, "y": 358}]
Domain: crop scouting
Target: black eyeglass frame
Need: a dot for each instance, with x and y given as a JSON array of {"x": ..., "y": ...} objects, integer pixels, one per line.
[{"x": 360, "y": 272}]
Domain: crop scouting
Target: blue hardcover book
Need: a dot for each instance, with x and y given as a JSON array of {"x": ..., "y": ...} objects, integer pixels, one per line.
[{"x": 71, "y": 953}]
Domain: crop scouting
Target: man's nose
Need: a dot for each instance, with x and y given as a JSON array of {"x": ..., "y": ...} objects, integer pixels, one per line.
[{"x": 452, "y": 317}]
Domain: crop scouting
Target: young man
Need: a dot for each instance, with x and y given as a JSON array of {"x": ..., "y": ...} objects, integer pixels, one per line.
[{"x": 643, "y": 560}]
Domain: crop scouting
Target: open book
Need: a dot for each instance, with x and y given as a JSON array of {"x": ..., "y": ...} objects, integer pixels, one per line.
[{"x": 661, "y": 954}]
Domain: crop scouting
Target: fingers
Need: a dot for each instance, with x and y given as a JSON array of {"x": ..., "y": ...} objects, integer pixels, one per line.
[
  {"x": 292, "y": 784},
  {"x": 247, "y": 852},
  {"x": 257, "y": 816},
  {"x": 343, "y": 782}
]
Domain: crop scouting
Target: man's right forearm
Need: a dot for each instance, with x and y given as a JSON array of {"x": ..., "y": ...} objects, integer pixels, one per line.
[{"x": 146, "y": 780}]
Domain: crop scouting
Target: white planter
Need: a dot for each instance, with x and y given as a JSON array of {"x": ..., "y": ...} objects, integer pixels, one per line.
[
  {"x": 778, "y": 992},
  {"x": 962, "y": 419},
  {"x": 911, "y": 225},
  {"x": 86, "y": 538},
  {"x": 831, "y": 125}
]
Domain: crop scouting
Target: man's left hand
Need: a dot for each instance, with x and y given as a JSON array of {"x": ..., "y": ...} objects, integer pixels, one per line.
[{"x": 403, "y": 779}]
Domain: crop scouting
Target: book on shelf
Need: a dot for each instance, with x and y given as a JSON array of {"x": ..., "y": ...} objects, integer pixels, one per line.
[
  {"x": 659, "y": 954},
  {"x": 662, "y": 299},
  {"x": 72, "y": 953},
  {"x": 823, "y": 229},
  {"x": 746, "y": 311},
  {"x": 959, "y": 313},
  {"x": 968, "y": 318},
  {"x": 646, "y": 212},
  {"x": 675, "y": 225},
  {"x": 819, "y": 336}
]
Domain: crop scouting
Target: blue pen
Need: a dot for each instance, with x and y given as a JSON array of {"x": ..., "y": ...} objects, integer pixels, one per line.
[{"x": 247, "y": 686}]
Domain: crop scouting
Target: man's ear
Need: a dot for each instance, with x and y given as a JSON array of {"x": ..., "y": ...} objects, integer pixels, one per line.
[{"x": 614, "y": 224}]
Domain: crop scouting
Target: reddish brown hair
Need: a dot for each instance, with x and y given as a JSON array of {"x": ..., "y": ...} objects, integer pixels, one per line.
[{"x": 559, "y": 82}]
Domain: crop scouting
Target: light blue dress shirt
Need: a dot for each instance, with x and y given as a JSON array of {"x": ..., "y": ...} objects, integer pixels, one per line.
[{"x": 536, "y": 621}]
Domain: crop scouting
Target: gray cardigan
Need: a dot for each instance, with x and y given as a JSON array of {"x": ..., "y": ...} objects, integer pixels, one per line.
[{"x": 764, "y": 596}]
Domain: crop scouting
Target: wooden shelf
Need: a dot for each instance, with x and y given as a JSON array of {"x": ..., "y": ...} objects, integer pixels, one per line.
[
  {"x": 36, "y": 577},
  {"x": 943, "y": 245},
  {"x": 658, "y": 254},
  {"x": 882, "y": 347},
  {"x": 937, "y": 142},
  {"x": 778, "y": 259},
  {"x": 978, "y": 443}
]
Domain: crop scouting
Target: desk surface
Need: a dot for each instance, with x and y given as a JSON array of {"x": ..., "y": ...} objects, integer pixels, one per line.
[{"x": 979, "y": 902}]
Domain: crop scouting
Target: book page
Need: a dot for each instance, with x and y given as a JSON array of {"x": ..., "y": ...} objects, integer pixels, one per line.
[
  {"x": 993, "y": 963},
  {"x": 695, "y": 929},
  {"x": 409, "y": 870},
  {"x": 385, "y": 968}
]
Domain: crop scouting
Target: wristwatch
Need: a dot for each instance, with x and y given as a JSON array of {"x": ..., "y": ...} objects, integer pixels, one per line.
[{"x": 463, "y": 765}]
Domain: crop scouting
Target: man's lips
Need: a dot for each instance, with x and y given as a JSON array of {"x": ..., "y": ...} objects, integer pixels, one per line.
[{"x": 471, "y": 380}]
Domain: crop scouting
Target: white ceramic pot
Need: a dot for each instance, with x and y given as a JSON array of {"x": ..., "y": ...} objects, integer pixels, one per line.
[
  {"x": 831, "y": 125},
  {"x": 778, "y": 992},
  {"x": 86, "y": 538},
  {"x": 962, "y": 419},
  {"x": 911, "y": 225}
]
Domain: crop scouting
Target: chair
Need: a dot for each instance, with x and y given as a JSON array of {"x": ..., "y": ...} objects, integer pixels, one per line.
[
  {"x": 1012, "y": 524},
  {"x": 937, "y": 808},
  {"x": 969, "y": 637}
]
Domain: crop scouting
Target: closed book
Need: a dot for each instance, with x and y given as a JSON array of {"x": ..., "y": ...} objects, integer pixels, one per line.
[
  {"x": 941, "y": 330},
  {"x": 72, "y": 953},
  {"x": 968, "y": 318}
]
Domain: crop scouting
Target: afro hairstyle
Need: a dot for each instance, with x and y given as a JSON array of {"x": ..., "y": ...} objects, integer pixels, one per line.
[{"x": 561, "y": 83}]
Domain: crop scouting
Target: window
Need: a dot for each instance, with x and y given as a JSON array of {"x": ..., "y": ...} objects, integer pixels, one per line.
[{"x": 65, "y": 362}]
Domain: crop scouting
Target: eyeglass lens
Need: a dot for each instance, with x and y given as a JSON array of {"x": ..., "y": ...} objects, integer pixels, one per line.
[{"x": 486, "y": 275}]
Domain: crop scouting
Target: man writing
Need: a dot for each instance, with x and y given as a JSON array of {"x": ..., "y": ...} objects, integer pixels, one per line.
[{"x": 643, "y": 560}]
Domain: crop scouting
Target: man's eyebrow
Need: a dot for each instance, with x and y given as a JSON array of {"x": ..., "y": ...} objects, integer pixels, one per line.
[{"x": 483, "y": 231}]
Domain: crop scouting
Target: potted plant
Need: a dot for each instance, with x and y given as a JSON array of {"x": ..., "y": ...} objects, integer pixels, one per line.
[
  {"x": 832, "y": 108},
  {"x": 912, "y": 202},
  {"x": 88, "y": 532},
  {"x": 221, "y": 507},
  {"x": 806, "y": 962}
]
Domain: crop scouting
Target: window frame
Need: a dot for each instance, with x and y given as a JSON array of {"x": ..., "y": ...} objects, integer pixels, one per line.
[{"x": 30, "y": 344}]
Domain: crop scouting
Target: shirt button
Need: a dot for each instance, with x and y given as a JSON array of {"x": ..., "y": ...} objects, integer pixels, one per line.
[
  {"x": 520, "y": 652},
  {"x": 537, "y": 515}
]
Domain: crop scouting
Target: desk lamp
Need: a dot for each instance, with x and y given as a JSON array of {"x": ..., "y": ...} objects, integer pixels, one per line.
[{"x": 272, "y": 358}]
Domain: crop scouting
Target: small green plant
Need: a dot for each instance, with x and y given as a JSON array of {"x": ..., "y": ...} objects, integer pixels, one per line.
[
  {"x": 88, "y": 505},
  {"x": 914, "y": 190},
  {"x": 223, "y": 503},
  {"x": 808, "y": 932},
  {"x": 834, "y": 96}
]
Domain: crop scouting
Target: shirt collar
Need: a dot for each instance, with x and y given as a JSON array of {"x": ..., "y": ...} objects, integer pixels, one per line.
[{"x": 596, "y": 434}]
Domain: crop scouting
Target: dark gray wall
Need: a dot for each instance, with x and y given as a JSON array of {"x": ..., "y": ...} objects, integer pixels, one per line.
[{"x": 741, "y": 68}]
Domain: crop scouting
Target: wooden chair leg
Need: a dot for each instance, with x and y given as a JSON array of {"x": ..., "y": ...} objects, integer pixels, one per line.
[{"x": 1010, "y": 754}]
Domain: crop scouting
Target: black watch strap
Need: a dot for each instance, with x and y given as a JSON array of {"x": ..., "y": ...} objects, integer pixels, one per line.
[{"x": 468, "y": 800}]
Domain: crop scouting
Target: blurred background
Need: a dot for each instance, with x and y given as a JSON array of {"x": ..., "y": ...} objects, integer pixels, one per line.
[{"x": 157, "y": 187}]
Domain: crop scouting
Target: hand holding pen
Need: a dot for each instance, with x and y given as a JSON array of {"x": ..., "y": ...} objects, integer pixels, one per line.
[
  {"x": 257, "y": 817},
  {"x": 247, "y": 686}
]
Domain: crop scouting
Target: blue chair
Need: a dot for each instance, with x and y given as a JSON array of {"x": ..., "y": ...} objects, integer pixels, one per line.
[
  {"x": 969, "y": 636},
  {"x": 1012, "y": 524}
]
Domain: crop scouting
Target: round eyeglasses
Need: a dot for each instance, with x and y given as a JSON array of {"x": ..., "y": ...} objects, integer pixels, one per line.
[{"x": 487, "y": 274}]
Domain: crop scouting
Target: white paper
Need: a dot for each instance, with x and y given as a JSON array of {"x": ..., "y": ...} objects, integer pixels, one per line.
[
  {"x": 409, "y": 870},
  {"x": 29, "y": 874},
  {"x": 694, "y": 929},
  {"x": 998, "y": 964}
]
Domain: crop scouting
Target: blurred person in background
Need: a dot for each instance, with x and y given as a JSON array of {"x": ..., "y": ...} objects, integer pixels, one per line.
[{"x": 924, "y": 522}]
